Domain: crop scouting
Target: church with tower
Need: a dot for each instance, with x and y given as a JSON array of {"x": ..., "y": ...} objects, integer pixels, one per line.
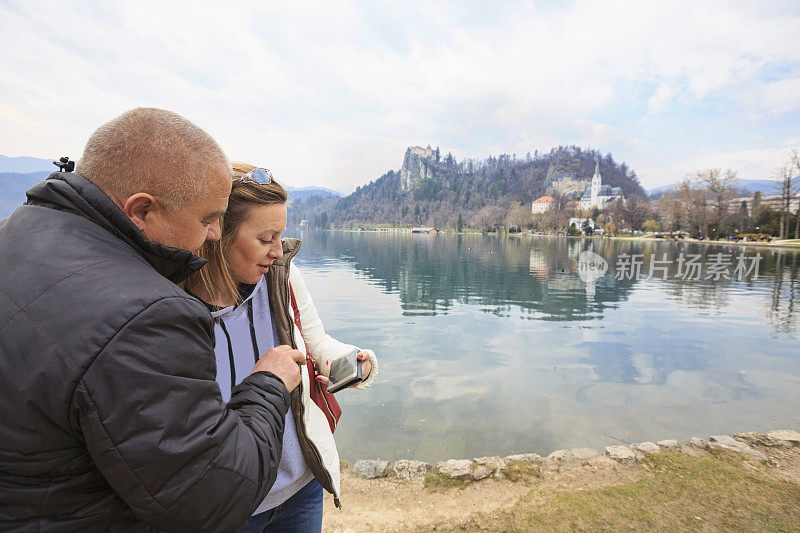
[{"x": 598, "y": 195}]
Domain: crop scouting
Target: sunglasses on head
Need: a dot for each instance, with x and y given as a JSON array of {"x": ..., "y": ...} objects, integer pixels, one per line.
[{"x": 262, "y": 176}]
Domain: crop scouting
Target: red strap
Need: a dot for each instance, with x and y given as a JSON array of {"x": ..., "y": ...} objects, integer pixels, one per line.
[
  {"x": 295, "y": 309},
  {"x": 319, "y": 395}
]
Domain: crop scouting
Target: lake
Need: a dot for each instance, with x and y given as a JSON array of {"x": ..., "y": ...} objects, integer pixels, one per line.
[{"x": 492, "y": 345}]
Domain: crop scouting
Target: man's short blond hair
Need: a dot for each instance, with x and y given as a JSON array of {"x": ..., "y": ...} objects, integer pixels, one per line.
[{"x": 154, "y": 151}]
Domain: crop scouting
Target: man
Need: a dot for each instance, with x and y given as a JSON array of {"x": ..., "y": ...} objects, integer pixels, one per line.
[{"x": 111, "y": 418}]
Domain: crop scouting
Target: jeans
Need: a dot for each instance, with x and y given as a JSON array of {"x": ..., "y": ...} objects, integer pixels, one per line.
[{"x": 299, "y": 514}]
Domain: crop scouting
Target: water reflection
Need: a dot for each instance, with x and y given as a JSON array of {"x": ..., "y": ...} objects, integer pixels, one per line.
[{"x": 495, "y": 345}]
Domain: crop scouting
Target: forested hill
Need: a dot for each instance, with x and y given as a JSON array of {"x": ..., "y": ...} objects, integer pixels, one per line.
[{"x": 434, "y": 190}]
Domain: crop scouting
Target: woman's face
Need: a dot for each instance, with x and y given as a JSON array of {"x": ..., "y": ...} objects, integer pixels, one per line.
[{"x": 258, "y": 243}]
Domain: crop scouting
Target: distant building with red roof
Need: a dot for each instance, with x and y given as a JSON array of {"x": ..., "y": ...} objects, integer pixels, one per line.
[{"x": 543, "y": 204}]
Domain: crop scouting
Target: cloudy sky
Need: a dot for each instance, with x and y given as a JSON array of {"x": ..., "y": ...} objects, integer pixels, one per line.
[{"x": 331, "y": 93}]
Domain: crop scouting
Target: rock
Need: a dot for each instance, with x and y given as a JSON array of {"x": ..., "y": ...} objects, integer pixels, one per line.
[
  {"x": 370, "y": 469},
  {"x": 343, "y": 465},
  {"x": 644, "y": 449},
  {"x": 669, "y": 444},
  {"x": 696, "y": 442},
  {"x": 480, "y": 472},
  {"x": 785, "y": 435},
  {"x": 724, "y": 440},
  {"x": 561, "y": 459},
  {"x": 483, "y": 467},
  {"x": 728, "y": 442},
  {"x": 409, "y": 471},
  {"x": 754, "y": 438},
  {"x": 532, "y": 458},
  {"x": 621, "y": 454},
  {"x": 455, "y": 468}
]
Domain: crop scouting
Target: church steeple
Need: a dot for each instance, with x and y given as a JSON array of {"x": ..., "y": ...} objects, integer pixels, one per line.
[{"x": 597, "y": 182}]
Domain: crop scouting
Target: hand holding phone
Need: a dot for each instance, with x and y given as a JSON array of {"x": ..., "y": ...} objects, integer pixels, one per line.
[{"x": 345, "y": 371}]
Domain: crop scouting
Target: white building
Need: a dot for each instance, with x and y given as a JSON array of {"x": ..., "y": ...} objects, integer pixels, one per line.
[
  {"x": 543, "y": 204},
  {"x": 599, "y": 195},
  {"x": 579, "y": 223},
  {"x": 774, "y": 202}
]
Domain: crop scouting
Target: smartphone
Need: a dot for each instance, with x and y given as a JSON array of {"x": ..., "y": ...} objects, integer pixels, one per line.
[{"x": 345, "y": 371}]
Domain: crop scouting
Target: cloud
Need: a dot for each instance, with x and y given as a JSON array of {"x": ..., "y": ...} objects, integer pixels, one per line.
[{"x": 330, "y": 93}]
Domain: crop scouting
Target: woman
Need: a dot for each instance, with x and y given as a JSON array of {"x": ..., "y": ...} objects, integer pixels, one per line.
[{"x": 254, "y": 294}]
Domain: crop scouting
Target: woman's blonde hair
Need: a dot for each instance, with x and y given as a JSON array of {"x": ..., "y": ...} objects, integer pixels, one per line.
[{"x": 215, "y": 278}]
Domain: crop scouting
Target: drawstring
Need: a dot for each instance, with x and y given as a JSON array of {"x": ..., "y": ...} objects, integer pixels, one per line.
[
  {"x": 250, "y": 319},
  {"x": 230, "y": 352}
]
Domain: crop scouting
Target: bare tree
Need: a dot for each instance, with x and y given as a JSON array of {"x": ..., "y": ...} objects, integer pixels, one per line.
[
  {"x": 670, "y": 211},
  {"x": 693, "y": 206},
  {"x": 789, "y": 175},
  {"x": 489, "y": 218},
  {"x": 785, "y": 193},
  {"x": 635, "y": 211},
  {"x": 519, "y": 216},
  {"x": 795, "y": 159},
  {"x": 720, "y": 190}
]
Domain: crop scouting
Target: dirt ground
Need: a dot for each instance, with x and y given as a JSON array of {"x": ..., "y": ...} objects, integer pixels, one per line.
[{"x": 388, "y": 505}]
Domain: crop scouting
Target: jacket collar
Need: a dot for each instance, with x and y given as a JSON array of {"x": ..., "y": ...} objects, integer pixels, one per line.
[
  {"x": 73, "y": 192},
  {"x": 290, "y": 249}
]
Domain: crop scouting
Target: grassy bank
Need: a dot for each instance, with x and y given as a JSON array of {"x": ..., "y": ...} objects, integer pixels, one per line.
[{"x": 720, "y": 490}]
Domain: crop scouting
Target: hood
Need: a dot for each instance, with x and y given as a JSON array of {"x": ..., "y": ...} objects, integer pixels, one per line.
[{"x": 73, "y": 192}]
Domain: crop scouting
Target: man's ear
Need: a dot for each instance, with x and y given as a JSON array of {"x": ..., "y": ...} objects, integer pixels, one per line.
[{"x": 139, "y": 208}]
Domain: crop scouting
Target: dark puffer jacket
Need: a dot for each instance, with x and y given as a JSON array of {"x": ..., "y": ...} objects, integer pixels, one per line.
[{"x": 111, "y": 418}]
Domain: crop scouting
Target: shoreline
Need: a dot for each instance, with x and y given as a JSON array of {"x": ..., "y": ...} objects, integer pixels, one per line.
[
  {"x": 645, "y": 486},
  {"x": 788, "y": 244},
  {"x": 480, "y": 468},
  {"x": 644, "y": 238}
]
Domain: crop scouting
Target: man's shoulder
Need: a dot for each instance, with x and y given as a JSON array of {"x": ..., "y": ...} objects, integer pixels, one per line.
[{"x": 81, "y": 279}]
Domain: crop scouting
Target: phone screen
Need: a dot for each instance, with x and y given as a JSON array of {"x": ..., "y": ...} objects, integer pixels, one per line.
[{"x": 345, "y": 371}]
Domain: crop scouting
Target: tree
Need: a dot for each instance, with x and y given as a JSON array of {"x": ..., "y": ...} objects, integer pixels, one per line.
[
  {"x": 670, "y": 212},
  {"x": 692, "y": 200},
  {"x": 744, "y": 216},
  {"x": 720, "y": 190},
  {"x": 756, "y": 204},
  {"x": 788, "y": 189},
  {"x": 795, "y": 158},
  {"x": 633, "y": 212},
  {"x": 587, "y": 227},
  {"x": 785, "y": 192},
  {"x": 489, "y": 218},
  {"x": 651, "y": 225},
  {"x": 460, "y": 223},
  {"x": 518, "y": 217}
]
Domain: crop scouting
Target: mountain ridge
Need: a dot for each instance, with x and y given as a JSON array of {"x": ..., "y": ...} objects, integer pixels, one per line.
[{"x": 434, "y": 190}]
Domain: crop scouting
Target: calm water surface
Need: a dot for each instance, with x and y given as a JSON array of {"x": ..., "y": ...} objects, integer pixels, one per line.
[{"x": 494, "y": 345}]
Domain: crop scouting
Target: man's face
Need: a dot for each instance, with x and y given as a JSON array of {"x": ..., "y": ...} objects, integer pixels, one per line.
[{"x": 190, "y": 226}]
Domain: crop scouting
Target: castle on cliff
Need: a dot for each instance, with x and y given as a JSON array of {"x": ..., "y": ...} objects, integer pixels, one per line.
[
  {"x": 418, "y": 164},
  {"x": 427, "y": 153}
]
